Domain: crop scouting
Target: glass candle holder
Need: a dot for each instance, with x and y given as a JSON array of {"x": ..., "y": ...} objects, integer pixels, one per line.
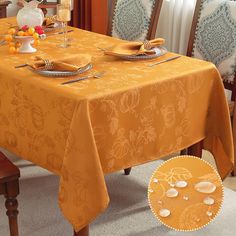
[{"x": 64, "y": 16}]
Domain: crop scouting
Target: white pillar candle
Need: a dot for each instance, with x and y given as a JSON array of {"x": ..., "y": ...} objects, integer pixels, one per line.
[
  {"x": 64, "y": 15},
  {"x": 66, "y": 2}
]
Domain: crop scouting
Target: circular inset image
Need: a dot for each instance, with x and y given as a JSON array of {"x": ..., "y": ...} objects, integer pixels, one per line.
[{"x": 185, "y": 193}]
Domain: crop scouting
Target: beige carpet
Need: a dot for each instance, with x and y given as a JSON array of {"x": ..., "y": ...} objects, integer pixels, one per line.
[{"x": 127, "y": 215}]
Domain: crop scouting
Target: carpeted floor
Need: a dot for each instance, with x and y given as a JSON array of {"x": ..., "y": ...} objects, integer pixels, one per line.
[{"x": 128, "y": 213}]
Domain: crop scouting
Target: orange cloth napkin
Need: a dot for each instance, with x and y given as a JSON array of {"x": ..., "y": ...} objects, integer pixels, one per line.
[
  {"x": 73, "y": 63},
  {"x": 134, "y": 48},
  {"x": 50, "y": 21}
]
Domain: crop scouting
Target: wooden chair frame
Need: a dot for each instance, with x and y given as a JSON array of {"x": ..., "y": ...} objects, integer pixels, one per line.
[
  {"x": 229, "y": 85},
  {"x": 154, "y": 18},
  {"x": 9, "y": 187}
]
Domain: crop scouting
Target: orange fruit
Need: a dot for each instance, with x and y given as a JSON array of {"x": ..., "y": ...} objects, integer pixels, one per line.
[
  {"x": 36, "y": 42},
  {"x": 11, "y": 31},
  {"x": 26, "y": 34},
  {"x": 11, "y": 44},
  {"x": 18, "y": 44},
  {"x": 20, "y": 33},
  {"x": 8, "y": 38},
  {"x": 12, "y": 49},
  {"x": 31, "y": 31}
]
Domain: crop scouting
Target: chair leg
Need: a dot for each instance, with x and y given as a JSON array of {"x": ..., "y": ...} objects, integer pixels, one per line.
[
  {"x": 127, "y": 171},
  {"x": 12, "y": 190},
  {"x": 233, "y": 122},
  {"x": 183, "y": 152},
  {"x": 83, "y": 232},
  {"x": 233, "y": 173},
  {"x": 196, "y": 149}
]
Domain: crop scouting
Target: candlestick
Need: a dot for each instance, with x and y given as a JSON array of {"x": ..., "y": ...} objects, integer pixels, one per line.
[
  {"x": 66, "y": 2},
  {"x": 64, "y": 15}
]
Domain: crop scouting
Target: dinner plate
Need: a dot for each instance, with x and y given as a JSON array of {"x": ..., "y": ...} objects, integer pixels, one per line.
[
  {"x": 159, "y": 51},
  {"x": 56, "y": 26},
  {"x": 52, "y": 73}
]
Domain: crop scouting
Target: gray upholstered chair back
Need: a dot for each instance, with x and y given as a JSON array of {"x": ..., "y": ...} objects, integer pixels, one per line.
[
  {"x": 134, "y": 20},
  {"x": 213, "y": 36}
]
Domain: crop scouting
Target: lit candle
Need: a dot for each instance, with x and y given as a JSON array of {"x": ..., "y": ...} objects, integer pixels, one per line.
[
  {"x": 66, "y": 2},
  {"x": 64, "y": 15}
]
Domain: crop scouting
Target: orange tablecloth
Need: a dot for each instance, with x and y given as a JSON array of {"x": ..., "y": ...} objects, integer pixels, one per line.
[{"x": 132, "y": 115}]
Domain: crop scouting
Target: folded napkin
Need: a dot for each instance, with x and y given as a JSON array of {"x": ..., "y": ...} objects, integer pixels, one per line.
[
  {"x": 72, "y": 63},
  {"x": 50, "y": 21},
  {"x": 135, "y": 48}
]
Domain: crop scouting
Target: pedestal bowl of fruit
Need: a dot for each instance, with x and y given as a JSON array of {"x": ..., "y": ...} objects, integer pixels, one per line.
[{"x": 24, "y": 39}]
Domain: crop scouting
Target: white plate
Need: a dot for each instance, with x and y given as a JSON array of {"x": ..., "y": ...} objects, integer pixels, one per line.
[
  {"x": 53, "y": 73},
  {"x": 56, "y": 26},
  {"x": 160, "y": 51}
]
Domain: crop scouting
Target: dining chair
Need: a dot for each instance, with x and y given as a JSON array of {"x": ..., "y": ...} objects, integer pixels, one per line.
[
  {"x": 213, "y": 38},
  {"x": 9, "y": 187},
  {"x": 133, "y": 20}
]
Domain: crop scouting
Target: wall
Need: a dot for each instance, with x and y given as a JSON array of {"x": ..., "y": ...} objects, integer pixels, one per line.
[{"x": 12, "y": 8}]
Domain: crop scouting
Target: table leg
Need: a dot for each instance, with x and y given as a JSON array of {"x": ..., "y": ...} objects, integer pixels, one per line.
[
  {"x": 127, "y": 171},
  {"x": 234, "y": 170},
  {"x": 83, "y": 232},
  {"x": 233, "y": 122},
  {"x": 196, "y": 149},
  {"x": 183, "y": 152}
]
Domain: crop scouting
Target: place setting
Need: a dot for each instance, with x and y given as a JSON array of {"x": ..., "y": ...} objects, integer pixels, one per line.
[
  {"x": 25, "y": 36},
  {"x": 61, "y": 68},
  {"x": 51, "y": 24},
  {"x": 138, "y": 51}
]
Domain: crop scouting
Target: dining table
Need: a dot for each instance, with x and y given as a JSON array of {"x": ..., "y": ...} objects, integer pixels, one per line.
[{"x": 131, "y": 115}]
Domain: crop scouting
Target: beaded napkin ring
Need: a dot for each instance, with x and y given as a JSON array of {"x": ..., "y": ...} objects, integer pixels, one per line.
[
  {"x": 147, "y": 45},
  {"x": 48, "y": 65}
]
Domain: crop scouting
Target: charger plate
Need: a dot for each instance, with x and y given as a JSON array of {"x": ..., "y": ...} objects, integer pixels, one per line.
[
  {"x": 62, "y": 74},
  {"x": 159, "y": 51}
]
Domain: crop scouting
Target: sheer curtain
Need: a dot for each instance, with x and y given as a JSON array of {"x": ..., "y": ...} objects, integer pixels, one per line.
[{"x": 175, "y": 23}]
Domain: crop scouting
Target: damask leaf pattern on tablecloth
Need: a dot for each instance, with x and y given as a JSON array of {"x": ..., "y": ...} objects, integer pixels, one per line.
[
  {"x": 37, "y": 117},
  {"x": 129, "y": 101},
  {"x": 120, "y": 147},
  {"x": 168, "y": 112},
  {"x": 175, "y": 174},
  {"x": 178, "y": 173},
  {"x": 11, "y": 139},
  {"x": 189, "y": 218},
  {"x": 161, "y": 176}
]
